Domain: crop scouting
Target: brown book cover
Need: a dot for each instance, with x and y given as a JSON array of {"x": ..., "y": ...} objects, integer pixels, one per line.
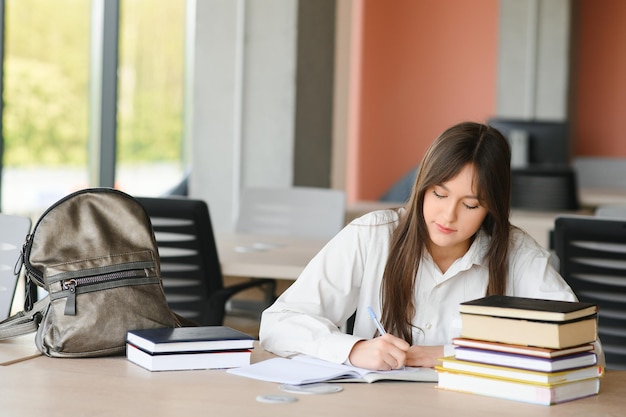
[
  {"x": 528, "y": 308},
  {"x": 554, "y": 335}
]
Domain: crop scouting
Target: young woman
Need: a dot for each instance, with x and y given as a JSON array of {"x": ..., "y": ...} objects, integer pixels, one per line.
[{"x": 451, "y": 243}]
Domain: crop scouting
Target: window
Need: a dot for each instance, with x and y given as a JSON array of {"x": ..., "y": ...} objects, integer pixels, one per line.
[
  {"x": 150, "y": 96},
  {"x": 45, "y": 113},
  {"x": 47, "y": 98}
]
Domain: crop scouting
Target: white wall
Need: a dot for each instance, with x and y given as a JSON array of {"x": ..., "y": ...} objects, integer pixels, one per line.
[
  {"x": 240, "y": 120},
  {"x": 533, "y": 59}
]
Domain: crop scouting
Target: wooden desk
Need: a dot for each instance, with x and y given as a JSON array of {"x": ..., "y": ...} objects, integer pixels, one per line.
[
  {"x": 280, "y": 257},
  {"x": 594, "y": 197},
  {"x": 115, "y": 387}
]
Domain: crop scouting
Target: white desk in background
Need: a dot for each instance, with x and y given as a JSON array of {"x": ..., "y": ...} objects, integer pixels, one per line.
[
  {"x": 537, "y": 223},
  {"x": 255, "y": 256}
]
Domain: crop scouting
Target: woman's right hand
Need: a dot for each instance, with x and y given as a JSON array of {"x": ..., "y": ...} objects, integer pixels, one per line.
[{"x": 381, "y": 353}]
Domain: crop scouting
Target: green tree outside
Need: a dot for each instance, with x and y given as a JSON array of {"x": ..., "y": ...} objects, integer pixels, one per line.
[{"x": 46, "y": 98}]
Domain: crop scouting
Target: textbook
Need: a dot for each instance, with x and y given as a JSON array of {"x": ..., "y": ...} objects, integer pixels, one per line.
[
  {"x": 518, "y": 391},
  {"x": 187, "y": 361},
  {"x": 528, "y": 308},
  {"x": 520, "y": 375},
  {"x": 532, "y": 363},
  {"x": 189, "y": 339},
  {"x": 548, "y": 334},
  {"x": 307, "y": 370},
  {"x": 520, "y": 349}
]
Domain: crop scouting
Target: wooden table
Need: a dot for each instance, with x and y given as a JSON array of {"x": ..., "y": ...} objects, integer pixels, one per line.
[
  {"x": 17, "y": 349},
  {"x": 254, "y": 256},
  {"x": 115, "y": 387}
]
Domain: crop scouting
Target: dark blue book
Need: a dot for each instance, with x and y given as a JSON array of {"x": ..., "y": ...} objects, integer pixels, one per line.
[
  {"x": 529, "y": 308},
  {"x": 190, "y": 339}
]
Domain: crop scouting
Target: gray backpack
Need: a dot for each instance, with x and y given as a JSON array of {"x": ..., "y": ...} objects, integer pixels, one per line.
[{"x": 95, "y": 254}]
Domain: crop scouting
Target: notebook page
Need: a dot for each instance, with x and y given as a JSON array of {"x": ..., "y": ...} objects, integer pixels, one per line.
[{"x": 287, "y": 371}]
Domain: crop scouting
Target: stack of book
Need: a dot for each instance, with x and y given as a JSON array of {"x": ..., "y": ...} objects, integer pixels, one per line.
[
  {"x": 187, "y": 348},
  {"x": 530, "y": 350}
]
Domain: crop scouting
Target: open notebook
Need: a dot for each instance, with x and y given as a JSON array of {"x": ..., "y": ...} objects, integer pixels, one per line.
[{"x": 307, "y": 370}]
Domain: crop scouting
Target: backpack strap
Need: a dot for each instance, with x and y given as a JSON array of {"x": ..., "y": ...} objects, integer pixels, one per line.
[{"x": 24, "y": 321}]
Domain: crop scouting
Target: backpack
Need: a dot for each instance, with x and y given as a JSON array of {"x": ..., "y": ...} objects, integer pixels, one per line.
[{"x": 95, "y": 253}]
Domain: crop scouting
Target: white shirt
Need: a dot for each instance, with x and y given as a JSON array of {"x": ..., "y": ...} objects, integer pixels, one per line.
[{"x": 346, "y": 276}]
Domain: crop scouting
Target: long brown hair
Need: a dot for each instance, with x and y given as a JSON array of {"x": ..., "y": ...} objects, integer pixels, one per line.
[{"x": 489, "y": 152}]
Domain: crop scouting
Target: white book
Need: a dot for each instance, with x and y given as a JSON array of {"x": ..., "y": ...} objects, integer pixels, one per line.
[
  {"x": 562, "y": 363},
  {"x": 521, "y": 349},
  {"x": 518, "y": 391},
  {"x": 453, "y": 364},
  {"x": 187, "y": 361}
]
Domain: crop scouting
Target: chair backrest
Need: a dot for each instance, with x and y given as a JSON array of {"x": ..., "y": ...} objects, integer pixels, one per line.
[
  {"x": 13, "y": 231},
  {"x": 592, "y": 259},
  {"x": 553, "y": 188},
  {"x": 189, "y": 260},
  {"x": 295, "y": 211},
  {"x": 400, "y": 191}
]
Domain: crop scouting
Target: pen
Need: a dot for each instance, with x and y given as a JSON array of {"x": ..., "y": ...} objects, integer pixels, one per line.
[{"x": 381, "y": 329}]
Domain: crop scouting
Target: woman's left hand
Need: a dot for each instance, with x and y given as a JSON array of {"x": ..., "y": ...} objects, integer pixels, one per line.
[{"x": 424, "y": 356}]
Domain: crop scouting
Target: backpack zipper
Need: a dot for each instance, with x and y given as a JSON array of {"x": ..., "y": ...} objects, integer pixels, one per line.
[
  {"x": 74, "y": 285},
  {"x": 32, "y": 273}
]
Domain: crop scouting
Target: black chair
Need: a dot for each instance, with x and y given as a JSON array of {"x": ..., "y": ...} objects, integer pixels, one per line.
[
  {"x": 592, "y": 259},
  {"x": 400, "y": 191},
  {"x": 192, "y": 276},
  {"x": 14, "y": 230},
  {"x": 544, "y": 188}
]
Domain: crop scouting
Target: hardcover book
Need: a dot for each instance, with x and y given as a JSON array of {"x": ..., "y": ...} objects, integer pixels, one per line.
[
  {"x": 520, "y": 349},
  {"x": 533, "y": 363},
  {"x": 528, "y": 308},
  {"x": 549, "y": 334},
  {"x": 186, "y": 361},
  {"x": 518, "y": 391},
  {"x": 520, "y": 375},
  {"x": 190, "y": 339}
]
